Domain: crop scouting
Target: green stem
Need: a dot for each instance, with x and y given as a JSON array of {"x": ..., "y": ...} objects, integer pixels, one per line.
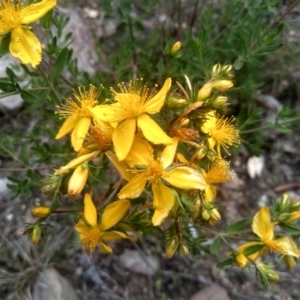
[
  {"x": 269, "y": 126},
  {"x": 49, "y": 84}
]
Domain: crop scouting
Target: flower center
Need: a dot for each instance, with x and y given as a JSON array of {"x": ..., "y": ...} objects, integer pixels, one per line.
[
  {"x": 91, "y": 239},
  {"x": 155, "y": 171},
  {"x": 10, "y": 15}
]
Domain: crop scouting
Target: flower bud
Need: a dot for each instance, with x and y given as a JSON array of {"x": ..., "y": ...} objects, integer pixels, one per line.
[
  {"x": 215, "y": 215},
  {"x": 77, "y": 180},
  {"x": 204, "y": 92},
  {"x": 174, "y": 102},
  {"x": 290, "y": 261},
  {"x": 171, "y": 248},
  {"x": 241, "y": 260},
  {"x": 36, "y": 235},
  {"x": 41, "y": 212},
  {"x": 222, "y": 85},
  {"x": 184, "y": 249},
  {"x": 205, "y": 215},
  {"x": 266, "y": 273},
  {"x": 175, "y": 48},
  {"x": 220, "y": 102}
]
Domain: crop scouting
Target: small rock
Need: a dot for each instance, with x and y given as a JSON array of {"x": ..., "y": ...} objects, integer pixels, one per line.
[
  {"x": 212, "y": 292},
  {"x": 255, "y": 166},
  {"x": 4, "y": 190},
  {"x": 51, "y": 285},
  {"x": 138, "y": 262}
]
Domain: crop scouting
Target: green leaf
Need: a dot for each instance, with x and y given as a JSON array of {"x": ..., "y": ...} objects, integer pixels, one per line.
[
  {"x": 4, "y": 45},
  {"x": 238, "y": 64},
  {"x": 238, "y": 226},
  {"x": 36, "y": 99},
  {"x": 226, "y": 262},
  {"x": 215, "y": 246},
  {"x": 253, "y": 249},
  {"x": 290, "y": 229},
  {"x": 60, "y": 63},
  {"x": 47, "y": 19}
]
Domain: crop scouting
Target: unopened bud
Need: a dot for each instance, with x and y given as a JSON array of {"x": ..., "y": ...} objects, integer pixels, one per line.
[
  {"x": 171, "y": 248},
  {"x": 215, "y": 215},
  {"x": 41, "y": 212},
  {"x": 241, "y": 260},
  {"x": 205, "y": 215},
  {"x": 205, "y": 91},
  {"x": 267, "y": 274},
  {"x": 290, "y": 261},
  {"x": 220, "y": 102},
  {"x": 77, "y": 180},
  {"x": 222, "y": 85},
  {"x": 173, "y": 102},
  {"x": 184, "y": 249},
  {"x": 36, "y": 235},
  {"x": 175, "y": 48}
]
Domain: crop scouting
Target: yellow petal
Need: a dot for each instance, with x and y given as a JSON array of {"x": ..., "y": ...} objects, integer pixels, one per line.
[
  {"x": 77, "y": 180},
  {"x": 154, "y": 105},
  {"x": 210, "y": 193},
  {"x": 114, "y": 235},
  {"x": 169, "y": 152},
  {"x": 109, "y": 113},
  {"x": 152, "y": 131},
  {"x": 75, "y": 162},
  {"x": 128, "y": 101},
  {"x": 123, "y": 137},
  {"x": 262, "y": 225},
  {"x": 113, "y": 213},
  {"x": 35, "y": 11},
  {"x": 25, "y": 46},
  {"x": 79, "y": 133},
  {"x": 81, "y": 228},
  {"x": 284, "y": 245},
  {"x": 134, "y": 187},
  {"x": 68, "y": 125},
  {"x": 105, "y": 248},
  {"x": 90, "y": 212},
  {"x": 140, "y": 153},
  {"x": 121, "y": 166},
  {"x": 163, "y": 201},
  {"x": 185, "y": 178}
]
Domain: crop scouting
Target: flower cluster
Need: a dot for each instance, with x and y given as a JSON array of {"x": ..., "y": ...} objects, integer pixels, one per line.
[{"x": 167, "y": 145}]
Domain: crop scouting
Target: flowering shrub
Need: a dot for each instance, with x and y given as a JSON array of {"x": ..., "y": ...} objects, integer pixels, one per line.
[{"x": 167, "y": 143}]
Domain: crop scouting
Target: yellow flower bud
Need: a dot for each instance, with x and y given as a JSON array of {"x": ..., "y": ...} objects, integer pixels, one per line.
[
  {"x": 41, "y": 212},
  {"x": 241, "y": 260},
  {"x": 36, "y": 235},
  {"x": 290, "y": 261},
  {"x": 175, "y": 48},
  {"x": 173, "y": 102},
  {"x": 184, "y": 249},
  {"x": 171, "y": 248},
  {"x": 222, "y": 85},
  {"x": 205, "y": 91},
  {"x": 215, "y": 215},
  {"x": 205, "y": 215},
  {"x": 77, "y": 180},
  {"x": 220, "y": 102}
]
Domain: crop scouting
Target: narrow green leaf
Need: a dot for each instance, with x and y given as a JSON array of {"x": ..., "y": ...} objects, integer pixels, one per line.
[
  {"x": 290, "y": 229},
  {"x": 46, "y": 20},
  {"x": 60, "y": 63},
  {"x": 253, "y": 249},
  {"x": 238, "y": 226},
  {"x": 4, "y": 45},
  {"x": 226, "y": 262}
]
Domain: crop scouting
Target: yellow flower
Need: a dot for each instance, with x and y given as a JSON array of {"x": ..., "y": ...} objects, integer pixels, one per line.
[
  {"x": 221, "y": 132},
  {"x": 100, "y": 137},
  {"x": 218, "y": 173},
  {"x": 91, "y": 232},
  {"x": 130, "y": 111},
  {"x": 264, "y": 228},
  {"x": 154, "y": 171},
  {"x": 175, "y": 48},
  {"x": 15, "y": 19},
  {"x": 79, "y": 117}
]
